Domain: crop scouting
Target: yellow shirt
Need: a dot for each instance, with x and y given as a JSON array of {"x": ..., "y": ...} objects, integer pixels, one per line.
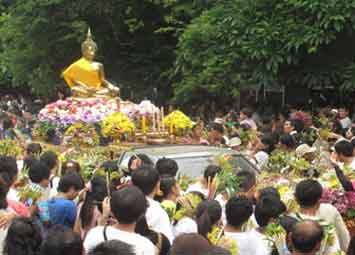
[{"x": 84, "y": 72}]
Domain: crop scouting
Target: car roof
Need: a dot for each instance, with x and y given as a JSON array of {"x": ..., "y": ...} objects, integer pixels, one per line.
[{"x": 176, "y": 150}]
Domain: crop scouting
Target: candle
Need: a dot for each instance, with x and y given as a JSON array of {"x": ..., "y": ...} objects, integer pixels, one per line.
[
  {"x": 154, "y": 121},
  {"x": 162, "y": 118},
  {"x": 158, "y": 120},
  {"x": 143, "y": 124},
  {"x": 171, "y": 128}
]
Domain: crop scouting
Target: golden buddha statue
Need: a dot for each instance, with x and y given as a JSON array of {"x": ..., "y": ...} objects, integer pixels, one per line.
[{"x": 85, "y": 77}]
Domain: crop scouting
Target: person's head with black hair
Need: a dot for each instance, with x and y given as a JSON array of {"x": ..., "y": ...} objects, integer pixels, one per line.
[
  {"x": 28, "y": 161},
  {"x": 128, "y": 204},
  {"x": 61, "y": 240},
  {"x": 245, "y": 113},
  {"x": 267, "y": 143},
  {"x": 137, "y": 161},
  {"x": 247, "y": 183},
  {"x": 93, "y": 199},
  {"x": 167, "y": 166},
  {"x": 110, "y": 165},
  {"x": 190, "y": 244},
  {"x": 208, "y": 214},
  {"x": 210, "y": 172},
  {"x": 23, "y": 237},
  {"x": 39, "y": 173},
  {"x": 268, "y": 191},
  {"x": 50, "y": 158},
  {"x": 216, "y": 250},
  {"x": 308, "y": 193},
  {"x": 238, "y": 211},
  {"x": 70, "y": 185},
  {"x": 71, "y": 166},
  {"x": 215, "y": 134},
  {"x": 268, "y": 209},
  {"x": 147, "y": 179},
  {"x": 158, "y": 239},
  {"x": 170, "y": 188},
  {"x": 4, "y": 189},
  {"x": 344, "y": 151},
  {"x": 8, "y": 166},
  {"x": 34, "y": 149},
  {"x": 113, "y": 247},
  {"x": 306, "y": 237},
  {"x": 287, "y": 142}
]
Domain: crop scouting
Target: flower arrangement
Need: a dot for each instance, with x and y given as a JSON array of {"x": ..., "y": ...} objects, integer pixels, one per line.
[
  {"x": 217, "y": 238},
  {"x": 10, "y": 148},
  {"x": 81, "y": 134},
  {"x": 187, "y": 206},
  {"x": 227, "y": 179},
  {"x": 178, "y": 121},
  {"x": 70, "y": 111},
  {"x": 41, "y": 128},
  {"x": 117, "y": 124}
]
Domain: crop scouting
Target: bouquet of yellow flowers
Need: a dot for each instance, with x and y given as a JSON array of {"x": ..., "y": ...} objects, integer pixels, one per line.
[
  {"x": 178, "y": 121},
  {"x": 117, "y": 124},
  {"x": 10, "y": 148},
  {"x": 81, "y": 134},
  {"x": 217, "y": 238}
]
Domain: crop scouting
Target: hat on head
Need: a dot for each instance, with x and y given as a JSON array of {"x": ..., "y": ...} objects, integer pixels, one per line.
[
  {"x": 235, "y": 141},
  {"x": 303, "y": 149}
]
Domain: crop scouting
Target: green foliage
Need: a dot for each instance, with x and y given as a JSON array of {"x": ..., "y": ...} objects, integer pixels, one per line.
[{"x": 238, "y": 43}]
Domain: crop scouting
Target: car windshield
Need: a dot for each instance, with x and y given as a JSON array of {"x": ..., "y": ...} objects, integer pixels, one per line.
[{"x": 194, "y": 166}]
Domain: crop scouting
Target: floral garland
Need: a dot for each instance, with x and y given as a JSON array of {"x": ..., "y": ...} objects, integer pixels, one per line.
[
  {"x": 217, "y": 238},
  {"x": 10, "y": 148},
  {"x": 116, "y": 125},
  {"x": 178, "y": 121},
  {"x": 81, "y": 134}
]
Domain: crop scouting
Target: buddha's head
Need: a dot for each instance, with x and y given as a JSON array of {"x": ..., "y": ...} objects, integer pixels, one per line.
[{"x": 89, "y": 47}]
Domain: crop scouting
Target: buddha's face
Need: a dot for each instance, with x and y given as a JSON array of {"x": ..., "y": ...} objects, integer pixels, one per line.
[{"x": 89, "y": 53}]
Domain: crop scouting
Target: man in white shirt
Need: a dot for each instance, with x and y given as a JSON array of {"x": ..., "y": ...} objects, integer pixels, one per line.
[
  {"x": 238, "y": 212},
  {"x": 344, "y": 120},
  {"x": 127, "y": 206},
  {"x": 308, "y": 194},
  {"x": 344, "y": 153},
  {"x": 147, "y": 179}
]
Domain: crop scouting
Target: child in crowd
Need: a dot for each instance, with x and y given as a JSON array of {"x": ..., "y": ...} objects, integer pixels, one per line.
[
  {"x": 238, "y": 211},
  {"x": 62, "y": 209},
  {"x": 147, "y": 179}
]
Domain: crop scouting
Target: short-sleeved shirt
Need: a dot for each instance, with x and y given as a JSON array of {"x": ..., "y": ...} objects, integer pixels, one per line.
[{"x": 62, "y": 212}]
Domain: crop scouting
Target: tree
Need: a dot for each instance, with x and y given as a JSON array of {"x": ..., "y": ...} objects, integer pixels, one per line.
[{"x": 263, "y": 42}]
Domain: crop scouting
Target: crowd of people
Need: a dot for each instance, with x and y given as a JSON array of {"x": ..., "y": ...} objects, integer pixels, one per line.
[{"x": 46, "y": 206}]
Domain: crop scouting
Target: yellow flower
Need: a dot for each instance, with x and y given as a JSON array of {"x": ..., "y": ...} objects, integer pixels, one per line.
[
  {"x": 178, "y": 120},
  {"x": 117, "y": 124}
]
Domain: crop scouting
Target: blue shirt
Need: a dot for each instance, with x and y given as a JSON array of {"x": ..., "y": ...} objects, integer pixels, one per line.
[{"x": 62, "y": 212}]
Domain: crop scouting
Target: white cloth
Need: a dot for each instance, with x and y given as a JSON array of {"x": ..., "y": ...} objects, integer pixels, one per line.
[
  {"x": 158, "y": 220},
  {"x": 248, "y": 243},
  {"x": 13, "y": 195},
  {"x": 197, "y": 187},
  {"x": 141, "y": 244},
  {"x": 262, "y": 241},
  {"x": 330, "y": 214},
  {"x": 3, "y": 233},
  {"x": 345, "y": 123},
  {"x": 261, "y": 159},
  {"x": 55, "y": 184},
  {"x": 185, "y": 226},
  {"x": 250, "y": 122}
]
